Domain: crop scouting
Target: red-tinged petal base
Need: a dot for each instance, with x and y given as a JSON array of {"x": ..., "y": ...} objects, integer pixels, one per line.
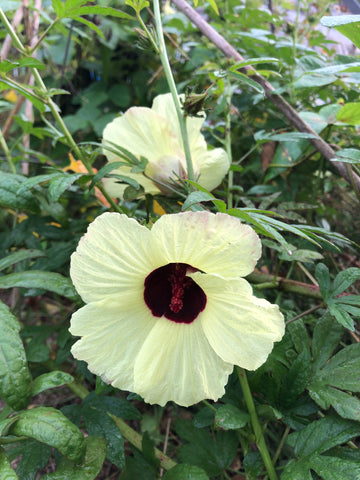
[{"x": 169, "y": 292}]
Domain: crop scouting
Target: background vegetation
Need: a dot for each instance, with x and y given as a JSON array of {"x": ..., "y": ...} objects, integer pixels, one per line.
[{"x": 67, "y": 69}]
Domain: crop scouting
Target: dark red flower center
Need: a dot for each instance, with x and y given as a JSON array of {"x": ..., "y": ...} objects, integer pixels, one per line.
[{"x": 169, "y": 292}]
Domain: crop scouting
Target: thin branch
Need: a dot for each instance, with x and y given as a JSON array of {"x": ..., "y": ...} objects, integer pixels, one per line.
[{"x": 288, "y": 111}]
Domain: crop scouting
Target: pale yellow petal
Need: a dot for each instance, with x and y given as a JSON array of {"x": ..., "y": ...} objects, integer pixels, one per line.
[
  {"x": 240, "y": 327},
  {"x": 214, "y": 165},
  {"x": 113, "y": 331},
  {"x": 176, "y": 363},
  {"x": 142, "y": 132},
  {"x": 212, "y": 243},
  {"x": 164, "y": 106},
  {"x": 111, "y": 257}
]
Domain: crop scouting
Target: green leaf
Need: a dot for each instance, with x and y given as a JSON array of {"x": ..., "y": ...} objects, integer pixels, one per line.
[
  {"x": 59, "y": 7},
  {"x": 98, "y": 422},
  {"x": 261, "y": 136},
  {"x": 326, "y": 337},
  {"x": 50, "y": 281},
  {"x": 34, "y": 456},
  {"x": 315, "y": 439},
  {"x": 98, "y": 10},
  {"x": 323, "y": 277},
  {"x": 299, "y": 336},
  {"x": 333, "y": 468},
  {"x": 253, "y": 464},
  {"x": 306, "y": 256},
  {"x": 88, "y": 468},
  {"x": 89, "y": 24},
  {"x": 289, "y": 153},
  {"x": 31, "y": 62},
  {"x": 204, "y": 417},
  {"x": 148, "y": 450},
  {"x": 6, "y": 472},
  {"x": 321, "y": 435},
  {"x": 347, "y": 155},
  {"x": 241, "y": 77},
  {"x": 60, "y": 183},
  {"x": 128, "y": 180},
  {"x": 109, "y": 167},
  {"x": 24, "y": 90},
  {"x": 31, "y": 182},
  {"x": 50, "y": 380},
  {"x": 230, "y": 417},
  {"x": 198, "y": 197},
  {"x": 6, "y": 424},
  {"x": 350, "y": 113},
  {"x": 213, "y": 454},
  {"x": 348, "y": 25},
  {"x": 253, "y": 61},
  {"x": 7, "y": 66},
  {"x": 338, "y": 374},
  {"x": 186, "y": 472},
  {"x": 9, "y": 197},
  {"x": 113, "y": 405},
  {"x": 19, "y": 256},
  {"x": 48, "y": 425},
  {"x": 341, "y": 316},
  {"x": 295, "y": 380},
  {"x": 138, "y": 468},
  {"x": 15, "y": 378},
  {"x": 344, "y": 279}
]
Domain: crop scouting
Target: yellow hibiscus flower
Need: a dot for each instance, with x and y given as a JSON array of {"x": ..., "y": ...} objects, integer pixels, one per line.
[
  {"x": 168, "y": 314},
  {"x": 154, "y": 133}
]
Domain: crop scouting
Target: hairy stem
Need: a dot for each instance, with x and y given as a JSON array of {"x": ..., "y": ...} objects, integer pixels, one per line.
[
  {"x": 285, "y": 284},
  {"x": 172, "y": 87},
  {"x": 228, "y": 142}
]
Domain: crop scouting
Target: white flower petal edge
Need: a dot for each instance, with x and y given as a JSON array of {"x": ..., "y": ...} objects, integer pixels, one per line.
[
  {"x": 107, "y": 260},
  {"x": 176, "y": 363},
  {"x": 240, "y": 327},
  {"x": 143, "y": 132},
  {"x": 212, "y": 243},
  {"x": 113, "y": 332},
  {"x": 213, "y": 165}
]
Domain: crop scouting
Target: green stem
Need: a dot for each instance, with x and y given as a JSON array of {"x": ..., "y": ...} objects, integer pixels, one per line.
[
  {"x": 227, "y": 142},
  {"x": 266, "y": 285},
  {"x": 208, "y": 404},
  {"x": 16, "y": 41},
  {"x": 259, "y": 437},
  {"x": 170, "y": 80},
  {"x": 281, "y": 445},
  {"x": 50, "y": 27},
  {"x": 307, "y": 312},
  {"x": 7, "y": 152}
]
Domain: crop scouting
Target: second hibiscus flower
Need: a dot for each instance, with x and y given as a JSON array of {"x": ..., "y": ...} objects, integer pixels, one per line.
[{"x": 154, "y": 133}]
